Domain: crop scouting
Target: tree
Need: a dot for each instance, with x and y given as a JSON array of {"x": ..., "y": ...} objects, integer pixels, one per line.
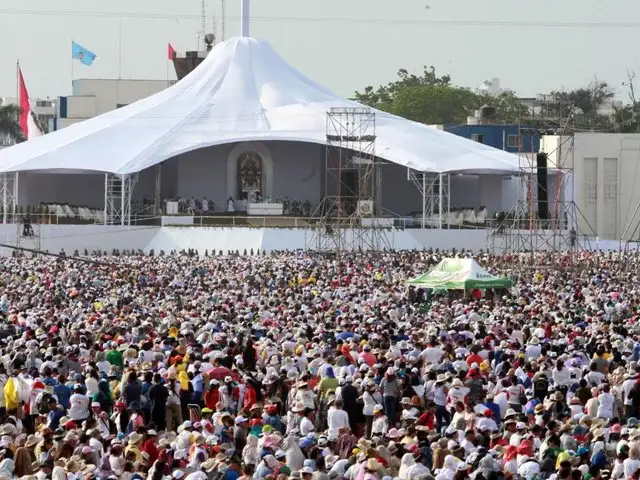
[
  {"x": 434, "y": 104},
  {"x": 9, "y": 123},
  {"x": 432, "y": 99},
  {"x": 626, "y": 118},
  {"x": 508, "y": 106},
  {"x": 584, "y": 104},
  {"x": 382, "y": 97},
  {"x": 427, "y": 98}
]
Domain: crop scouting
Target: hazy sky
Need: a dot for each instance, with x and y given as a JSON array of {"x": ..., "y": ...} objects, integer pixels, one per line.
[{"x": 532, "y": 47}]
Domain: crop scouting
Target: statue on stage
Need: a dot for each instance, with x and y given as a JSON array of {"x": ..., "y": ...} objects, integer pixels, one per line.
[{"x": 250, "y": 176}]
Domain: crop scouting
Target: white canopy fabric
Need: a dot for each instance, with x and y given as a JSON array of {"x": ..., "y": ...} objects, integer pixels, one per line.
[{"x": 243, "y": 91}]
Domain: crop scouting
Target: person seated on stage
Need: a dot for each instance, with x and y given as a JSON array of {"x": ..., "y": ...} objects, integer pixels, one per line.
[
  {"x": 205, "y": 205},
  {"x": 231, "y": 205}
]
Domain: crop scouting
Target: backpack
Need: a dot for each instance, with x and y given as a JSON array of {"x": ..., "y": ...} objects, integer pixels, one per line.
[{"x": 42, "y": 406}]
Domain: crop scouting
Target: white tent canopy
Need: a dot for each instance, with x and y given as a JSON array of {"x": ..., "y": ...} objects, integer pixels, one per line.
[{"x": 243, "y": 91}]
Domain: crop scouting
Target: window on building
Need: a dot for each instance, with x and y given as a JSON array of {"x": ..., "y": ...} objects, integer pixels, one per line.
[
  {"x": 514, "y": 141},
  {"x": 477, "y": 137}
]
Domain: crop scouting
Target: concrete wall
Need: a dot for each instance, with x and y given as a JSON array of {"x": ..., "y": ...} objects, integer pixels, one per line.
[
  {"x": 71, "y": 237},
  {"x": 95, "y": 237}
]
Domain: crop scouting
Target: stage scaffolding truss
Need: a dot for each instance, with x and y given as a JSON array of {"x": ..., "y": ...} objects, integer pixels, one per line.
[
  {"x": 346, "y": 217},
  {"x": 524, "y": 228},
  {"x": 118, "y": 190},
  {"x": 434, "y": 189},
  {"x": 9, "y": 193}
]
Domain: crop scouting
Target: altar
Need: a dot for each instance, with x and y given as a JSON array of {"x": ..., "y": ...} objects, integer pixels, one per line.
[{"x": 265, "y": 209}]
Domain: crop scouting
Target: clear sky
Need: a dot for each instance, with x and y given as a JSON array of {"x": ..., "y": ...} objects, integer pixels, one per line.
[{"x": 533, "y": 47}]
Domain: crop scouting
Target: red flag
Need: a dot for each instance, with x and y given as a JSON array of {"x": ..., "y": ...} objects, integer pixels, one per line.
[
  {"x": 27, "y": 124},
  {"x": 171, "y": 52}
]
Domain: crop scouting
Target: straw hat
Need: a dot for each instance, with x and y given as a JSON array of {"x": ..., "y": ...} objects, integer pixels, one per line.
[
  {"x": 74, "y": 464},
  {"x": 32, "y": 441}
]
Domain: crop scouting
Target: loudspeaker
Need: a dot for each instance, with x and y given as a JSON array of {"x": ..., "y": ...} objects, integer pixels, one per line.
[{"x": 543, "y": 184}]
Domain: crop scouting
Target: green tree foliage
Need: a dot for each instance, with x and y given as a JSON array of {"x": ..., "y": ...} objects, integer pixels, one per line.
[
  {"x": 508, "y": 106},
  {"x": 583, "y": 105},
  {"x": 9, "y": 123},
  {"x": 432, "y": 99}
]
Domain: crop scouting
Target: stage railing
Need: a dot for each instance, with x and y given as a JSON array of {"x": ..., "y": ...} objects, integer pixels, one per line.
[{"x": 251, "y": 221}]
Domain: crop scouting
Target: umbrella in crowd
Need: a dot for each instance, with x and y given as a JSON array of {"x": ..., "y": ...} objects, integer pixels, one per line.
[{"x": 294, "y": 365}]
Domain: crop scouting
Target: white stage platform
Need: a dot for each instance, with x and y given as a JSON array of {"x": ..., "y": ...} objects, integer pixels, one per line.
[{"x": 106, "y": 238}]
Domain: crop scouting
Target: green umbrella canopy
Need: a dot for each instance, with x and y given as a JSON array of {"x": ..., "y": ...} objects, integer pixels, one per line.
[{"x": 459, "y": 274}]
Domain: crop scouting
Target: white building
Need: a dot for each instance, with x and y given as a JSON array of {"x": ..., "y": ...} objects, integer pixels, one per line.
[
  {"x": 491, "y": 87},
  {"x": 606, "y": 172},
  {"x": 94, "y": 97}
]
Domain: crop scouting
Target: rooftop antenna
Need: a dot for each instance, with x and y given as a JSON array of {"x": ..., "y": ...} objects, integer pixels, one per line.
[
  {"x": 203, "y": 22},
  {"x": 223, "y": 20},
  {"x": 245, "y": 16}
]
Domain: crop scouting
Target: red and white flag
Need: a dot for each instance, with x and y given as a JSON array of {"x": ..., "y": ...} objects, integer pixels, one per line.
[{"x": 28, "y": 125}]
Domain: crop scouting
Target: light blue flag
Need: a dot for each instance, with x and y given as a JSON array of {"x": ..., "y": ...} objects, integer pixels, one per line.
[{"x": 85, "y": 56}]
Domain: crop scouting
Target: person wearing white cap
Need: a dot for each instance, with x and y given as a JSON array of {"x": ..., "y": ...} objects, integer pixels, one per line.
[{"x": 380, "y": 424}]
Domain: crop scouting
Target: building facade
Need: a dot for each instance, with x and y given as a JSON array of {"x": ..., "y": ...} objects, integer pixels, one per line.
[
  {"x": 603, "y": 171},
  {"x": 510, "y": 138},
  {"x": 93, "y": 97}
]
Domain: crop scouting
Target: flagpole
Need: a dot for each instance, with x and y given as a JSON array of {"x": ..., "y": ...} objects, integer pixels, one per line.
[
  {"x": 18, "y": 83},
  {"x": 120, "y": 49},
  {"x": 72, "y": 59}
]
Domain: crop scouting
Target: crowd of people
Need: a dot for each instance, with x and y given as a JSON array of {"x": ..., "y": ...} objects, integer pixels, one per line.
[{"x": 309, "y": 367}]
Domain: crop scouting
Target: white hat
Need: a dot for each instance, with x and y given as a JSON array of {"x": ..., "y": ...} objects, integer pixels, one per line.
[{"x": 240, "y": 419}]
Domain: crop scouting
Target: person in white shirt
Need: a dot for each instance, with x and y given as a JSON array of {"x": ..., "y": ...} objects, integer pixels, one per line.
[
  {"x": 337, "y": 418},
  {"x": 606, "y": 403},
  {"x": 80, "y": 402},
  {"x": 561, "y": 375},
  {"x": 306, "y": 425},
  {"x": 486, "y": 423},
  {"x": 432, "y": 354},
  {"x": 371, "y": 397},
  {"x": 533, "y": 350},
  {"x": 380, "y": 423}
]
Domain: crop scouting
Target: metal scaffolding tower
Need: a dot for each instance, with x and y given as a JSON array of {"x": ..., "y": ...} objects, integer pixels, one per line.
[
  {"x": 434, "y": 190},
  {"x": 346, "y": 217},
  {"x": 9, "y": 193},
  {"x": 524, "y": 228},
  {"x": 28, "y": 234},
  {"x": 118, "y": 190}
]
